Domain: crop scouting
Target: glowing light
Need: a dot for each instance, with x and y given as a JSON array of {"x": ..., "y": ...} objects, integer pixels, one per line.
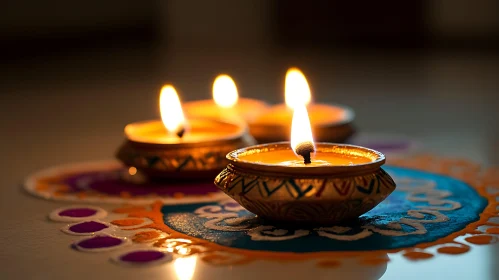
[
  {"x": 171, "y": 110},
  {"x": 301, "y": 131},
  {"x": 132, "y": 170},
  {"x": 225, "y": 91},
  {"x": 185, "y": 267},
  {"x": 296, "y": 89},
  {"x": 182, "y": 251}
]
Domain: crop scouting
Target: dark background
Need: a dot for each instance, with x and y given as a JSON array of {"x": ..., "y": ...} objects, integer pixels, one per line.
[{"x": 30, "y": 27}]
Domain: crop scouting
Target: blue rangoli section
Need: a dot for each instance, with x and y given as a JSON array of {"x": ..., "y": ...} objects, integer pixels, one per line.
[{"x": 185, "y": 219}]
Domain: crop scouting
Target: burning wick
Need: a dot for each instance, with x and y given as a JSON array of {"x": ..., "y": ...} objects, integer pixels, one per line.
[
  {"x": 181, "y": 132},
  {"x": 302, "y": 140},
  {"x": 305, "y": 149}
]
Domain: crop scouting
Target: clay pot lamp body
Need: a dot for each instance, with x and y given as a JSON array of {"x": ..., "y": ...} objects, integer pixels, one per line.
[
  {"x": 303, "y": 182},
  {"x": 175, "y": 147}
]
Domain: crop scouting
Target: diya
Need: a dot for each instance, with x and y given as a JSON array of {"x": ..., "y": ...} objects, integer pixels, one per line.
[
  {"x": 330, "y": 123},
  {"x": 331, "y": 183},
  {"x": 175, "y": 147},
  {"x": 226, "y": 103}
]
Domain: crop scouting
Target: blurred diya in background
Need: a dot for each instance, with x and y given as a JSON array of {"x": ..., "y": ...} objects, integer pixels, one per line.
[
  {"x": 330, "y": 123},
  {"x": 226, "y": 103},
  {"x": 301, "y": 182},
  {"x": 177, "y": 147}
]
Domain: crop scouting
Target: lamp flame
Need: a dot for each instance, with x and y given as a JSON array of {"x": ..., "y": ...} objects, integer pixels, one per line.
[
  {"x": 171, "y": 111},
  {"x": 296, "y": 89},
  {"x": 225, "y": 91}
]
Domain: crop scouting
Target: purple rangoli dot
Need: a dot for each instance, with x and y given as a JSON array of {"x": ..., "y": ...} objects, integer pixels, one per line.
[
  {"x": 102, "y": 241},
  {"x": 142, "y": 256},
  {"x": 87, "y": 227},
  {"x": 78, "y": 212}
]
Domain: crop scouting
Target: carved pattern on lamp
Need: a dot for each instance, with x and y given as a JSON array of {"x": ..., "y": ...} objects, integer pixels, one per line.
[
  {"x": 156, "y": 161},
  {"x": 322, "y": 199}
]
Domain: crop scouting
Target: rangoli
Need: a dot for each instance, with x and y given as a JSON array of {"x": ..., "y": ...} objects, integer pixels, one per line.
[{"x": 427, "y": 210}]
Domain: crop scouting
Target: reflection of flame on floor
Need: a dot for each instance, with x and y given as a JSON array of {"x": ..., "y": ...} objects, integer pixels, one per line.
[
  {"x": 176, "y": 245},
  {"x": 185, "y": 267}
]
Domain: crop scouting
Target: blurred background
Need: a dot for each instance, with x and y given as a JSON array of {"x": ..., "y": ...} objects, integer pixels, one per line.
[{"x": 73, "y": 74}]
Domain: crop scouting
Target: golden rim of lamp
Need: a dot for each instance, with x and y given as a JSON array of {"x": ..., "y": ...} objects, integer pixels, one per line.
[
  {"x": 370, "y": 160},
  {"x": 213, "y": 132}
]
